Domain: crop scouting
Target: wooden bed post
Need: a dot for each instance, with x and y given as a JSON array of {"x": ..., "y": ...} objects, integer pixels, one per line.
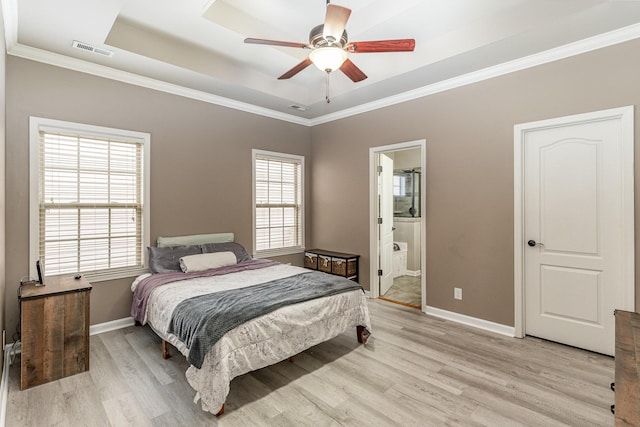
[
  {"x": 363, "y": 334},
  {"x": 221, "y": 411},
  {"x": 165, "y": 350}
]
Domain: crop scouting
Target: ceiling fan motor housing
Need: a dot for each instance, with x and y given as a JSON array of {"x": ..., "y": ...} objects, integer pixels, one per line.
[{"x": 316, "y": 39}]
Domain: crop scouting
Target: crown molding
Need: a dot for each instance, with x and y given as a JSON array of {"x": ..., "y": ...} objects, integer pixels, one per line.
[
  {"x": 572, "y": 49},
  {"x": 46, "y": 57},
  {"x": 10, "y": 15}
]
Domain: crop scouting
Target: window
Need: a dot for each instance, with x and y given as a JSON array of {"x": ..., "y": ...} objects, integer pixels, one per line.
[
  {"x": 278, "y": 199},
  {"x": 399, "y": 185},
  {"x": 89, "y": 199}
]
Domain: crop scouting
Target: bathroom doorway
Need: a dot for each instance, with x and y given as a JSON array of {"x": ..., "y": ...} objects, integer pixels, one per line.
[{"x": 398, "y": 223}]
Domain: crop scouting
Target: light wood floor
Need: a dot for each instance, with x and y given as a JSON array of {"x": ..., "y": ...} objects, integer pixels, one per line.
[{"x": 415, "y": 370}]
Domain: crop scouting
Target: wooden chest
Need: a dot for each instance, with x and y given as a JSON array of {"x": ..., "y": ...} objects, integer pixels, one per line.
[
  {"x": 54, "y": 330},
  {"x": 338, "y": 263}
]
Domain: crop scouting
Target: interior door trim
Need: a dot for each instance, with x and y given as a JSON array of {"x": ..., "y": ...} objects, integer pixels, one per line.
[
  {"x": 626, "y": 115},
  {"x": 373, "y": 213}
]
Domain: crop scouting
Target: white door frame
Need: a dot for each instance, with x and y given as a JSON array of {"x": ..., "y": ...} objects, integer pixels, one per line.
[
  {"x": 373, "y": 214},
  {"x": 626, "y": 114},
  {"x": 385, "y": 212}
]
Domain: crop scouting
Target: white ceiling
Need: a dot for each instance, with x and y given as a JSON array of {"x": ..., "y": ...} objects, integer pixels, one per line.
[{"x": 196, "y": 47}]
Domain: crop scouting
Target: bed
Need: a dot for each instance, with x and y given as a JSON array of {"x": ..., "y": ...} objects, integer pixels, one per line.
[{"x": 230, "y": 314}]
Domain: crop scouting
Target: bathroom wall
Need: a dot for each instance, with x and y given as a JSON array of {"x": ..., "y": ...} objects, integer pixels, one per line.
[{"x": 407, "y": 159}]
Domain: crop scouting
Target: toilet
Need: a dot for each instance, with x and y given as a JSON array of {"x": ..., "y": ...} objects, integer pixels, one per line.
[{"x": 399, "y": 263}]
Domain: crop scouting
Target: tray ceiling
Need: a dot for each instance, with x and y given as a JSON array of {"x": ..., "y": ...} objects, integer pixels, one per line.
[{"x": 199, "y": 45}]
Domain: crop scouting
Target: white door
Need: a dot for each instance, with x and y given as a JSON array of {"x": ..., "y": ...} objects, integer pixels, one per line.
[
  {"x": 577, "y": 229},
  {"x": 385, "y": 178}
]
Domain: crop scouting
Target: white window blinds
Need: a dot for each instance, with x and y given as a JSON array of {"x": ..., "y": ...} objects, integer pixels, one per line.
[
  {"x": 90, "y": 203},
  {"x": 278, "y": 189}
]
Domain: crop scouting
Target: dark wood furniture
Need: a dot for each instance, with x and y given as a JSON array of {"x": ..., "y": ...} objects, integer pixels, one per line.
[
  {"x": 338, "y": 263},
  {"x": 54, "y": 330},
  {"x": 627, "y": 375}
]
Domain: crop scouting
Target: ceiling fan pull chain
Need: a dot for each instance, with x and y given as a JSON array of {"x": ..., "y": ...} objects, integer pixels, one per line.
[{"x": 327, "y": 95}]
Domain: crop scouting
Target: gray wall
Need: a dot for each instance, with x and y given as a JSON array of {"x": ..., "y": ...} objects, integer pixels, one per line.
[
  {"x": 200, "y": 161},
  {"x": 469, "y": 171},
  {"x": 469, "y": 194}
]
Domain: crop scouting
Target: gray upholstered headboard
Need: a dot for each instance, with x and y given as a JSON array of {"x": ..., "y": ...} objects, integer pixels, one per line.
[{"x": 195, "y": 239}]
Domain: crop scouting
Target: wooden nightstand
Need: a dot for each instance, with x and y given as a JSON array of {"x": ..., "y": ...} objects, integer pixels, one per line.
[{"x": 54, "y": 330}]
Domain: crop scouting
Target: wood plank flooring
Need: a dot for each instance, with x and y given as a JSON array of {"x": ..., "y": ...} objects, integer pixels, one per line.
[{"x": 414, "y": 370}]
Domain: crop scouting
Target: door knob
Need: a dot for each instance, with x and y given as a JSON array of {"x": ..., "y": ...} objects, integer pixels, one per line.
[{"x": 533, "y": 243}]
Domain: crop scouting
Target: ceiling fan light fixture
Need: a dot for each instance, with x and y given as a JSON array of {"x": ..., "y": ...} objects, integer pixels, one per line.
[{"x": 328, "y": 58}]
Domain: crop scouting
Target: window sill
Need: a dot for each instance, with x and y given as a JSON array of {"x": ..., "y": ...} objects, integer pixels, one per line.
[{"x": 105, "y": 275}]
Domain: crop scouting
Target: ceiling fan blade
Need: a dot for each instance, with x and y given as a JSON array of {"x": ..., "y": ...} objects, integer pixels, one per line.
[
  {"x": 334, "y": 22},
  {"x": 276, "y": 43},
  {"x": 400, "y": 45},
  {"x": 352, "y": 71},
  {"x": 295, "y": 70}
]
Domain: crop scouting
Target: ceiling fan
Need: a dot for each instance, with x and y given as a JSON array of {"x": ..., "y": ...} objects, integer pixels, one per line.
[{"x": 329, "y": 46}]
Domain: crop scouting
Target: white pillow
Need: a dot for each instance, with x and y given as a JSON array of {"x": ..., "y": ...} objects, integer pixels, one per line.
[{"x": 201, "y": 262}]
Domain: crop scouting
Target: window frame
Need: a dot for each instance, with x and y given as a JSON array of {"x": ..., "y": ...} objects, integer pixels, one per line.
[
  {"x": 290, "y": 250},
  {"x": 39, "y": 124}
]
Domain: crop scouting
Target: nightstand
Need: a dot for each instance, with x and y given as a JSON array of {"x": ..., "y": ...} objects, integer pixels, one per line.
[{"x": 54, "y": 330}]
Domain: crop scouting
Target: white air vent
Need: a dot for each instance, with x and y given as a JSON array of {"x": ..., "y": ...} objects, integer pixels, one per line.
[
  {"x": 298, "y": 107},
  {"x": 88, "y": 48}
]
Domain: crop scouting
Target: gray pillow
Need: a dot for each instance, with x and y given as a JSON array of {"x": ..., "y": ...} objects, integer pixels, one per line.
[
  {"x": 167, "y": 259},
  {"x": 239, "y": 251}
]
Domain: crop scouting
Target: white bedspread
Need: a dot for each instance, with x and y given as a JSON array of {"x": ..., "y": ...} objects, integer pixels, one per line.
[{"x": 260, "y": 342}]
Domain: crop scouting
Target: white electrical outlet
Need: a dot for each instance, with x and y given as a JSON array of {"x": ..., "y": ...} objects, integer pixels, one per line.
[{"x": 457, "y": 293}]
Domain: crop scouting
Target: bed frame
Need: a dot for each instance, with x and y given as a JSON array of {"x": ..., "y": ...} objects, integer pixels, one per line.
[{"x": 362, "y": 334}]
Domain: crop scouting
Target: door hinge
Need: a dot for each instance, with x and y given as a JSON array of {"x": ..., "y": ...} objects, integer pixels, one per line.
[
  {"x": 379, "y": 220},
  {"x": 379, "y": 272},
  {"x": 379, "y": 169}
]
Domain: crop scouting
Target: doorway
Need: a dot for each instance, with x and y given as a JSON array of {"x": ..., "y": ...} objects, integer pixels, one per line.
[
  {"x": 398, "y": 224},
  {"x": 574, "y": 227}
]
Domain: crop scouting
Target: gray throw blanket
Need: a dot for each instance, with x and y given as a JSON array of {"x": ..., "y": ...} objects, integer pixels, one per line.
[{"x": 201, "y": 321}]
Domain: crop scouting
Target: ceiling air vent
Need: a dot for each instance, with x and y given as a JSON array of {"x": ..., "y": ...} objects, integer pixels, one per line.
[
  {"x": 88, "y": 48},
  {"x": 298, "y": 107}
]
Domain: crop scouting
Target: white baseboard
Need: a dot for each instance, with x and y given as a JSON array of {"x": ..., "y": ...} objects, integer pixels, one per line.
[
  {"x": 414, "y": 273},
  {"x": 4, "y": 384},
  {"x": 498, "y": 328},
  {"x": 111, "y": 326}
]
